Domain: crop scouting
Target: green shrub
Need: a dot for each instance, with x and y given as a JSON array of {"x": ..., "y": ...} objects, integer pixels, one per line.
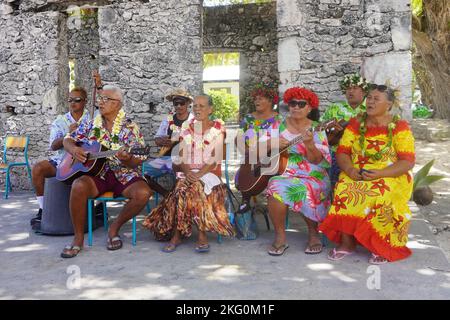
[{"x": 225, "y": 105}]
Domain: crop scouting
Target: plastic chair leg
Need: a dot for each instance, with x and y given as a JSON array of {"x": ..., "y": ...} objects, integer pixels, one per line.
[
  {"x": 90, "y": 205},
  {"x": 287, "y": 220},
  {"x": 7, "y": 184},
  {"x": 105, "y": 215},
  {"x": 30, "y": 176},
  {"x": 134, "y": 231}
]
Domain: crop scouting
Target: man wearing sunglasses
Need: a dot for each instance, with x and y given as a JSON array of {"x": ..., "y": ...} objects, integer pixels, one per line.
[
  {"x": 121, "y": 174},
  {"x": 168, "y": 134},
  {"x": 63, "y": 124}
]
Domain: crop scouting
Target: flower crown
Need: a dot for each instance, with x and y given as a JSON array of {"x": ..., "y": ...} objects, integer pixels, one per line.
[
  {"x": 265, "y": 89},
  {"x": 354, "y": 80},
  {"x": 299, "y": 93}
]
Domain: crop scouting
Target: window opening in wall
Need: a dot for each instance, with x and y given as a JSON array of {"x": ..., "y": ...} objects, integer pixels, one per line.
[{"x": 221, "y": 81}]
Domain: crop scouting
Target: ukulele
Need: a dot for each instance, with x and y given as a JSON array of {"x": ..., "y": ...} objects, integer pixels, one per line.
[
  {"x": 70, "y": 169},
  {"x": 253, "y": 179}
]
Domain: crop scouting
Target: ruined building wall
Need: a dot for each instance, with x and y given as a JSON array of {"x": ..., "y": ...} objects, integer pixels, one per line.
[
  {"x": 322, "y": 40},
  {"x": 148, "y": 49},
  {"x": 252, "y": 31}
]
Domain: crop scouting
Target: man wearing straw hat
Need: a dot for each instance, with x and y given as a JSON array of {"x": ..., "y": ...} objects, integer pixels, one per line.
[{"x": 168, "y": 133}]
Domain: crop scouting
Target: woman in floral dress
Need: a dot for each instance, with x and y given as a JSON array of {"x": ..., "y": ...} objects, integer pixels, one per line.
[
  {"x": 375, "y": 154},
  {"x": 258, "y": 127},
  {"x": 199, "y": 194},
  {"x": 304, "y": 187}
]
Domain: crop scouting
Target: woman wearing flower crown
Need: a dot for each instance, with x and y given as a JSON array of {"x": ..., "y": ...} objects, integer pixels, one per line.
[
  {"x": 304, "y": 187},
  {"x": 199, "y": 194},
  {"x": 375, "y": 154},
  {"x": 258, "y": 126}
]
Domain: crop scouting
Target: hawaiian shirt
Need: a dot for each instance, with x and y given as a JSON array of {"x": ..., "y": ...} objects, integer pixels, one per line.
[
  {"x": 59, "y": 129},
  {"x": 341, "y": 111},
  {"x": 129, "y": 136}
]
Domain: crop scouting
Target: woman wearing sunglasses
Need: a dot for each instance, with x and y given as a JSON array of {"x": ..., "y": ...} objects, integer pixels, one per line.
[
  {"x": 304, "y": 187},
  {"x": 375, "y": 154}
]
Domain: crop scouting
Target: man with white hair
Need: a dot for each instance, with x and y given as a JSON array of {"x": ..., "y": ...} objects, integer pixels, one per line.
[{"x": 121, "y": 173}]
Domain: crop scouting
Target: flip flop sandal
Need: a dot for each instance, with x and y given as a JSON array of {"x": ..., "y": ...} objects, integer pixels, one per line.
[
  {"x": 66, "y": 255},
  {"x": 333, "y": 254},
  {"x": 278, "y": 250},
  {"x": 309, "y": 249},
  {"x": 202, "y": 248},
  {"x": 169, "y": 248},
  {"x": 110, "y": 243},
  {"x": 376, "y": 259}
]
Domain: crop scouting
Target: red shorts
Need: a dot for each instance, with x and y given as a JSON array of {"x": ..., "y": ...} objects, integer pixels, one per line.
[{"x": 112, "y": 184}]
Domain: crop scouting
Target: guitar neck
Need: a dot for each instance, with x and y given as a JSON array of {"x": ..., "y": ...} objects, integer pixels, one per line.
[{"x": 102, "y": 154}]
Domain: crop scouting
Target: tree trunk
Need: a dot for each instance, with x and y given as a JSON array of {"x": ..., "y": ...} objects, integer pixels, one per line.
[{"x": 432, "y": 39}]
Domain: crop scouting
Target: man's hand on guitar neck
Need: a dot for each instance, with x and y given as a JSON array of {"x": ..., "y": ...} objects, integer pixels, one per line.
[{"x": 163, "y": 141}]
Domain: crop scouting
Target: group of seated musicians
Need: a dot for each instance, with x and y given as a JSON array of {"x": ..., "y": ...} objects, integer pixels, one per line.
[{"x": 366, "y": 205}]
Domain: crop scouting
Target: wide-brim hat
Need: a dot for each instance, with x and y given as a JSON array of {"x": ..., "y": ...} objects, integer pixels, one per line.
[{"x": 179, "y": 92}]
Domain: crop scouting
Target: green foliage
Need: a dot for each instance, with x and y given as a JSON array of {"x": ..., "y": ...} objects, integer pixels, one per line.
[
  {"x": 422, "y": 179},
  {"x": 417, "y": 7},
  {"x": 422, "y": 112},
  {"x": 225, "y": 105},
  {"x": 220, "y": 59}
]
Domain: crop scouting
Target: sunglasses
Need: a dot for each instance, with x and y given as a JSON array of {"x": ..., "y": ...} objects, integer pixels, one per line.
[
  {"x": 301, "y": 103},
  {"x": 380, "y": 87},
  {"x": 105, "y": 99},
  {"x": 74, "y": 100},
  {"x": 179, "y": 103}
]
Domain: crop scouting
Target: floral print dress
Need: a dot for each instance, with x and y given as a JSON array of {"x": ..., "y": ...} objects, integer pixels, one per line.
[
  {"x": 375, "y": 212},
  {"x": 304, "y": 187},
  {"x": 188, "y": 204}
]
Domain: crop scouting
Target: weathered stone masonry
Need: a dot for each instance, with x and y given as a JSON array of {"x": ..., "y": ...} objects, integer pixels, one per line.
[{"x": 149, "y": 46}]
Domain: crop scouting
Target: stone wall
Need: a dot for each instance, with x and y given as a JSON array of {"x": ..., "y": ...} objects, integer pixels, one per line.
[
  {"x": 148, "y": 49},
  {"x": 33, "y": 73},
  {"x": 322, "y": 40},
  {"x": 250, "y": 30}
]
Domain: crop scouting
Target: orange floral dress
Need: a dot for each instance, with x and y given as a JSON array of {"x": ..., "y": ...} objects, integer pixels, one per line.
[{"x": 375, "y": 212}]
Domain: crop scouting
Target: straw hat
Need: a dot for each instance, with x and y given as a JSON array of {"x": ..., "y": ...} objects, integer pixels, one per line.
[{"x": 179, "y": 92}]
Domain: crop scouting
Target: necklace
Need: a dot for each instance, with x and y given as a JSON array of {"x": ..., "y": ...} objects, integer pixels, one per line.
[
  {"x": 362, "y": 139},
  {"x": 101, "y": 133}
]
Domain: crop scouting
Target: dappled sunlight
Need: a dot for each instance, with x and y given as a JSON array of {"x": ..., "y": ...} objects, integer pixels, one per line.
[
  {"x": 11, "y": 205},
  {"x": 27, "y": 248},
  {"x": 419, "y": 245},
  {"x": 426, "y": 272},
  {"x": 211, "y": 266},
  {"x": 153, "y": 275},
  {"x": 18, "y": 236},
  {"x": 90, "y": 281},
  {"x": 295, "y": 279},
  {"x": 226, "y": 273},
  {"x": 144, "y": 292},
  {"x": 320, "y": 266},
  {"x": 339, "y": 275}
]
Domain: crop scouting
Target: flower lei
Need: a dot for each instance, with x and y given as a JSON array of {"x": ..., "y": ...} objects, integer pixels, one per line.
[
  {"x": 301, "y": 93},
  {"x": 213, "y": 133},
  {"x": 98, "y": 128},
  {"x": 354, "y": 80},
  {"x": 362, "y": 131},
  {"x": 266, "y": 90}
]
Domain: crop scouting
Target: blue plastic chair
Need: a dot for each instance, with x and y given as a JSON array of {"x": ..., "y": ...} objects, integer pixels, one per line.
[
  {"x": 20, "y": 142},
  {"x": 107, "y": 196},
  {"x": 227, "y": 181}
]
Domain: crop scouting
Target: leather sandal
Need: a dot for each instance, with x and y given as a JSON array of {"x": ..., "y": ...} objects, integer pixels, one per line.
[{"x": 75, "y": 251}]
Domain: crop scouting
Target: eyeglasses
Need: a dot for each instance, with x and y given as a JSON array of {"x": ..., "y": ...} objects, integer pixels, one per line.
[
  {"x": 179, "y": 103},
  {"x": 299, "y": 103},
  {"x": 74, "y": 100},
  {"x": 105, "y": 99}
]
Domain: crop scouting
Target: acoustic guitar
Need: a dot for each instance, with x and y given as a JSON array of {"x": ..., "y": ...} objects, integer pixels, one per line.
[
  {"x": 70, "y": 169},
  {"x": 253, "y": 178}
]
